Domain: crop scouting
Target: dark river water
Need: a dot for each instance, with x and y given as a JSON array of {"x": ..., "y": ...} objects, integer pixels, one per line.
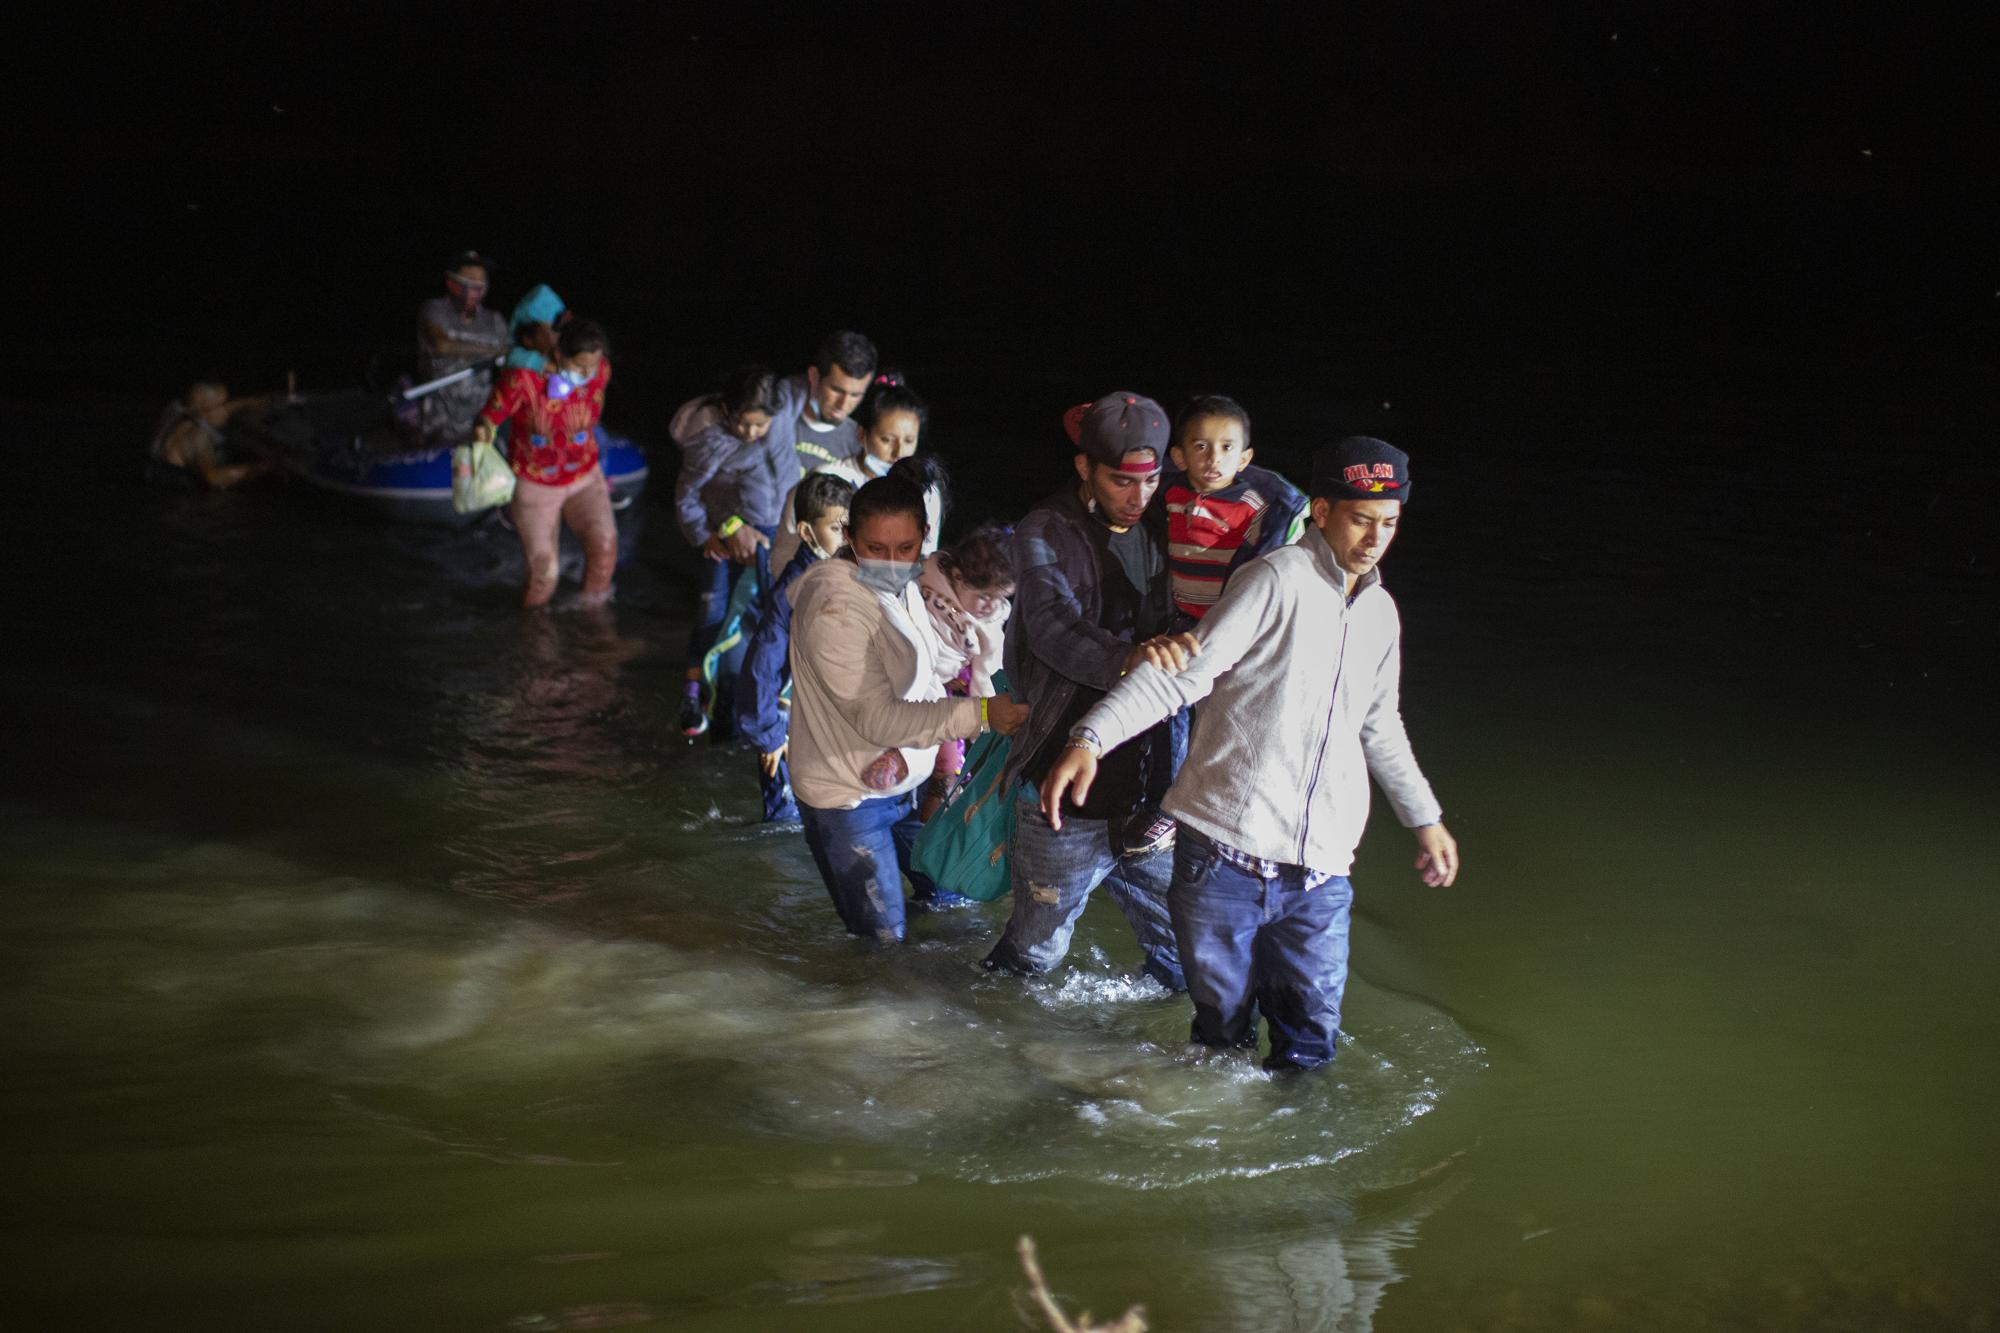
[{"x": 378, "y": 956}]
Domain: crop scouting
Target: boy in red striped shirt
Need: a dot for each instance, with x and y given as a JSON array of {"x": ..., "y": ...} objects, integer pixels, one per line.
[{"x": 1222, "y": 513}]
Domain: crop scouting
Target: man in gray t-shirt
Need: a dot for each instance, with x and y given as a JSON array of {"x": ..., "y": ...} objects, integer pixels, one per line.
[
  {"x": 816, "y": 406},
  {"x": 455, "y": 331}
]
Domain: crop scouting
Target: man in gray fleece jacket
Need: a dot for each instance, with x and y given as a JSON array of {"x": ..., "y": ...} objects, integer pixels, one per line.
[{"x": 1303, "y": 657}]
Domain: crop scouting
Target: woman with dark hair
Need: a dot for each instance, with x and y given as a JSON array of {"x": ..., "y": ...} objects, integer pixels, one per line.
[
  {"x": 869, "y": 708},
  {"x": 552, "y": 444}
]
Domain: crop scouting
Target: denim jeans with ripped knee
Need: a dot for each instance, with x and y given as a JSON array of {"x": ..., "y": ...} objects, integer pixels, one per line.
[
  {"x": 1054, "y": 872},
  {"x": 863, "y": 855}
]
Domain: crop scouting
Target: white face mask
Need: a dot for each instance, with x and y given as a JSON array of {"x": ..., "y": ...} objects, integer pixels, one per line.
[{"x": 888, "y": 577}]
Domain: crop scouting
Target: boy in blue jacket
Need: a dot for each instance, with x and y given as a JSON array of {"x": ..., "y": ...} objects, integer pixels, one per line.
[{"x": 761, "y": 714}]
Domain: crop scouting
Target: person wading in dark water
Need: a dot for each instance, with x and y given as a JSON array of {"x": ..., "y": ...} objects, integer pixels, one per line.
[
  {"x": 865, "y": 680},
  {"x": 1303, "y": 655},
  {"x": 1091, "y": 602}
]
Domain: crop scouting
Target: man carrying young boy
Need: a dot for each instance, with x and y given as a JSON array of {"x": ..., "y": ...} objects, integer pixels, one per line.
[
  {"x": 822, "y": 528},
  {"x": 812, "y": 423},
  {"x": 1303, "y": 656},
  {"x": 1090, "y": 604}
]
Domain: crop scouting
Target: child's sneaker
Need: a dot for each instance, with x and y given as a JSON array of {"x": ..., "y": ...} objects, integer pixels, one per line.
[
  {"x": 1144, "y": 833},
  {"x": 939, "y": 900},
  {"x": 694, "y": 717}
]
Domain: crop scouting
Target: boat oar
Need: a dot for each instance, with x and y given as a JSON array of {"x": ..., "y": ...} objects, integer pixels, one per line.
[{"x": 417, "y": 391}]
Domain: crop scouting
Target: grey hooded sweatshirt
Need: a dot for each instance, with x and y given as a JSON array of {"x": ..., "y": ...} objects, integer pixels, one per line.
[{"x": 1304, "y": 665}]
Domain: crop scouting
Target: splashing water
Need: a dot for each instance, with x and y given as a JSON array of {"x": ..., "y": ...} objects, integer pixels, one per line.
[{"x": 398, "y": 1001}]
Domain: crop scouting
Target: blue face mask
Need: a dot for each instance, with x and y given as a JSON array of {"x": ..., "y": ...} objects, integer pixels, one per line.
[{"x": 888, "y": 577}]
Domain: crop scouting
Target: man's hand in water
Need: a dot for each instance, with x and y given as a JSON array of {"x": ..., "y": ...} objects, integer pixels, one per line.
[
  {"x": 1073, "y": 772},
  {"x": 742, "y": 544},
  {"x": 1169, "y": 652},
  {"x": 1004, "y": 715},
  {"x": 1437, "y": 855},
  {"x": 770, "y": 760}
]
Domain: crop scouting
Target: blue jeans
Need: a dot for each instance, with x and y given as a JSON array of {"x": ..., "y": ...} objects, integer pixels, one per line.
[
  {"x": 716, "y": 587},
  {"x": 1160, "y": 774},
  {"x": 1252, "y": 944},
  {"x": 780, "y": 807},
  {"x": 863, "y": 854},
  {"x": 1054, "y": 872}
]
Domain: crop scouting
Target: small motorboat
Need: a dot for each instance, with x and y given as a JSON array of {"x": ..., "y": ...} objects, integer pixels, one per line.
[{"x": 351, "y": 446}]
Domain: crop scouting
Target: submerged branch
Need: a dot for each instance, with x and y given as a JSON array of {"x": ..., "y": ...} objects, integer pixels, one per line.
[{"x": 1133, "y": 1320}]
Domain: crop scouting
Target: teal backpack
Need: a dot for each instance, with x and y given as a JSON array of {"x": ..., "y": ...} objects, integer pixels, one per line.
[{"x": 964, "y": 847}]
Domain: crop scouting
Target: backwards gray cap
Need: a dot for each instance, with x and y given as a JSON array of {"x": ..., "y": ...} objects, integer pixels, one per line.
[{"x": 1116, "y": 425}]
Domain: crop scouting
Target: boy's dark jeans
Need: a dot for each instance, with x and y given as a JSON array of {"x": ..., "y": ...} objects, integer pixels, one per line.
[
  {"x": 780, "y": 806},
  {"x": 716, "y": 586}
]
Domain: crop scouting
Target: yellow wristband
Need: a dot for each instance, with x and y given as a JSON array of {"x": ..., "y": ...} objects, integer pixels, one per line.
[
  {"x": 729, "y": 526},
  {"x": 984, "y": 725}
]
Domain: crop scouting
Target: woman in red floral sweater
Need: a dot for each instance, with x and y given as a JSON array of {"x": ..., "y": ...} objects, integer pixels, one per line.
[{"x": 553, "y": 447}]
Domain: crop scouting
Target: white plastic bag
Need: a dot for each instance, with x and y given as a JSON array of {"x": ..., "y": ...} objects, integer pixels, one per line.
[{"x": 480, "y": 477}]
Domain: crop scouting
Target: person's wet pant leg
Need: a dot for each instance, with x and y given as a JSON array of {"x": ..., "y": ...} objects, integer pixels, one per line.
[
  {"x": 860, "y": 855},
  {"x": 719, "y": 638},
  {"x": 1053, "y": 873},
  {"x": 721, "y": 661},
  {"x": 587, "y": 511},
  {"x": 536, "y": 513},
  {"x": 713, "y": 586},
  {"x": 1218, "y": 911},
  {"x": 780, "y": 806},
  {"x": 905, "y": 831},
  {"x": 1139, "y": 886},
  {"x": 1301, "y": 970}
]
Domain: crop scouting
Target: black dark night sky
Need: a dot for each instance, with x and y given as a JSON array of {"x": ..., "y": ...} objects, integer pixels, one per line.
[{"x": 1622, "y": 196}]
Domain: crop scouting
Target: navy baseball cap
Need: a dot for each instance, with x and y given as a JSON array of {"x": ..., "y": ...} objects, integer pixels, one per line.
[{"x": 1361, "y": 467}]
